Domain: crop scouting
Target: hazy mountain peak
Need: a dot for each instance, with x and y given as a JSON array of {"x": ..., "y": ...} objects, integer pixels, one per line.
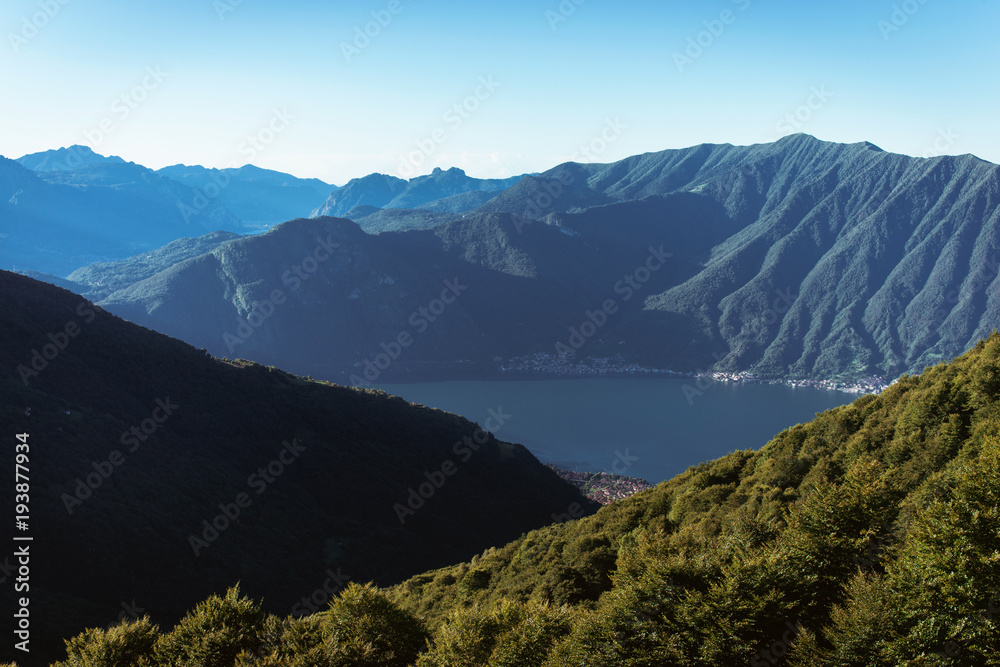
[
  {"x": 66, "y": 159},
  {"x": 453, "y": 171},
  {"x": 390, "y": 192}
]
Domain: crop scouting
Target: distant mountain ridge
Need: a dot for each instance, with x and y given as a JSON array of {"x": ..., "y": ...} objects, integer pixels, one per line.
[
  {"x": 439, "y": 190},
  {"x": 796, "y": 259},
  {"x": 260, "y": 197},
  {"x": 65, "y": 208},
  {"x": 66, "y": 159},
  {"x": 57, "y": 221}
]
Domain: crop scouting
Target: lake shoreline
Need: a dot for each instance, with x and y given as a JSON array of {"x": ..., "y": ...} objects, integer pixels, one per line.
[
  {"x": 701, "y": 380},
  {"x": 648, "y": 427}
]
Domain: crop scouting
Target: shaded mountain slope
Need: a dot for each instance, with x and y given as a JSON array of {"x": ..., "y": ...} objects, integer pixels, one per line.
[
  {"x": 442, "y": 184},
  {"x": 126, "y": 504},
  {"x": 103, "y": 278},
  {"x": 459, "y": 203},
  {"x": 372, "y": 190},
  {"x": 377, "y": 220}
]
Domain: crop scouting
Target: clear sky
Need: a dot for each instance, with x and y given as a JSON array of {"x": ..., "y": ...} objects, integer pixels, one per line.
[{"x": 300, "y": 87}]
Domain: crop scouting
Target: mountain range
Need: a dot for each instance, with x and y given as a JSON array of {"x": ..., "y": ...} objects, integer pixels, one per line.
[
  {"x": 442, "y": 190},
  {"x": 792, "y": 260},
  {"x": 69, "y": 207},
  {"x": 55, "y": 220}
]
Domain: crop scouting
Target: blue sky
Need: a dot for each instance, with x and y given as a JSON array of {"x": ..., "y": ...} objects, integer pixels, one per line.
[{"x": 224, "y": 82}]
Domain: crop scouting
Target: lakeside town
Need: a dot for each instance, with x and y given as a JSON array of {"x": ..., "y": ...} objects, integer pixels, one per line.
[
  {"x": 551, "y": 364},
  {"x": 602, "y": 487}
]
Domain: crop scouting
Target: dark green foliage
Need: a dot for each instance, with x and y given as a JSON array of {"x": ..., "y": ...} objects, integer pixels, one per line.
[
  {"x": 214, "y": 633},
  {"x": 361, "y": 629},
  {"x": 508, "y": 635},
  {"x": 370, "y": 631},
  {"x": 130, "y": 643}
]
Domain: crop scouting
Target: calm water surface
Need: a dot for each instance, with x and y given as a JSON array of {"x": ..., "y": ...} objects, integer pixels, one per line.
[{"x": 648, "y": 423}]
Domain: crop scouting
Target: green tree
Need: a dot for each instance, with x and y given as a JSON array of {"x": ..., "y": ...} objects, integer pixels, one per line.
[
  {"x": 129, "y": 643},
  {"x": 947, "y": 577},
  {"x": 508, "y": 635},
  {"x": 363, "y": 628},
  {"x": 214, "y": 633}
]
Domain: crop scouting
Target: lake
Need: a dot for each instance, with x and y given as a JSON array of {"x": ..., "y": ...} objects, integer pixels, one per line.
[{"x": 643, "y": 427}]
